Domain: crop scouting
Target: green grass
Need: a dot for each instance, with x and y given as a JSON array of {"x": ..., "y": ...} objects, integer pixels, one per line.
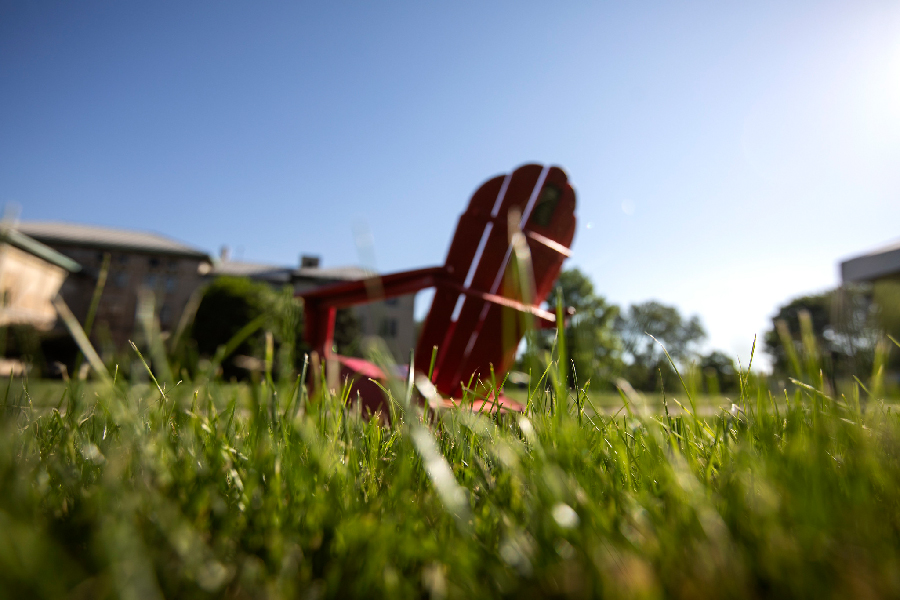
[
  {"x": 211, "y": 490},
  {"x": 46, "y": 393}
]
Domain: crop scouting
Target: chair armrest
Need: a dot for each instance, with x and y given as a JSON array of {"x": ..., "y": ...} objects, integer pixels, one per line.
[
  {"x": 321, "y": 304},
  {"x": 377, "y": 287}
]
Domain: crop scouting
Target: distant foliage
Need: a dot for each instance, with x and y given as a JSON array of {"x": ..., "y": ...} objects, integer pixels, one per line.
[
  {"x": 719, "y": 373},
  {"x": 845, "y": 325},
  {"x": 230, "y": 303},
  {"x": 646, "y": 364},
  {"x": 347, "y": 333},
  {"x": 592, "y": 344},
  {"x": 604, "y": 343}
]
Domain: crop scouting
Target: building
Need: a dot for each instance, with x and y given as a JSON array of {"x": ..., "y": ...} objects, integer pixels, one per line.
[
  {"x": 173, "y": 271},
  {"x": 31, "y": 275},
  {"x": 879, "y": 271},
  {"x": 137, "y": 261},
  {"x": 392, "y": 320},
  {"x": 881, "y": 264}
]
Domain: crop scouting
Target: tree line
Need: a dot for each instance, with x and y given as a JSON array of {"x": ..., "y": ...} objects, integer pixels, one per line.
[
  {"x": 851, "y": 331},
  {"x": 605, "y": 342},
  {"x": 846, "y": 331}
]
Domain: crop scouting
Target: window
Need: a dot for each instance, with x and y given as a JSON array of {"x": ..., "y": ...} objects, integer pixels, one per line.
[
  {"x": 388, "y": 328},
  {"x": 120, "y": 280},
  {"x": 171, "y": 282},
  {"x": 154, "y": 262},
  {"x": 151, "y": 280},
  {"x": 391, "y": 302}
]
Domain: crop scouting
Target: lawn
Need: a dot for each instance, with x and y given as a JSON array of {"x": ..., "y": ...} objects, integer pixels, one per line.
[
  {"x": 47, "y": 393},
  {"x": 112, "y": 490}
]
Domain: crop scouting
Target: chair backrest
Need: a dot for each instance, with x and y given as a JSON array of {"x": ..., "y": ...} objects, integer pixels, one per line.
[{"x": 473, "y": 335}]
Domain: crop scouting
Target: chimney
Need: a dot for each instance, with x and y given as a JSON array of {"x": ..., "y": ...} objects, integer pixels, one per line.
[
  {"x": 308, "y": 261},
  {"x": 224, "y": 253}
]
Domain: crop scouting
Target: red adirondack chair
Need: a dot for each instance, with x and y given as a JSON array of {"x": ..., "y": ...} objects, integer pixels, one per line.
[{"x": 475, "y": 319}]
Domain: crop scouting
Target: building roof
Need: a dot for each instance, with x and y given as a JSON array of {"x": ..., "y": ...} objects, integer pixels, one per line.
[
  {"x": 21, "y": 241},
  {"x": 336, "y": 273},
  {"x": 881, "y": 262},
  {"x": 274, "y": 273},
  {"x": 74, "y": 234},
  {"x": 271, "y": 272}
]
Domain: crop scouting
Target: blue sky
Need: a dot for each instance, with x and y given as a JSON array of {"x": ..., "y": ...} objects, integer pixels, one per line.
[{"x": 726, "y": 157}]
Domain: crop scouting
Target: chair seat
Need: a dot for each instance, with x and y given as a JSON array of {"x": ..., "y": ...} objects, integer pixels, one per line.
[{"x": 361, "y": 373}]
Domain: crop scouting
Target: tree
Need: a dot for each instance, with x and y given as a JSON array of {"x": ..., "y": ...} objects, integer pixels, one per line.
[
  {"x": 347, "y": 333},
  {"x": 230, "y": 303},
  {"x": 646, "y": 362},
  {"x": 664, "y": 323},
  {"x": 720, "y": 374},
  {"x": 844, "y": 325},
  {"x": 886, "y": 300},
  {"x": 592, "y": 345},
  {"x": 816, "y": 309}
]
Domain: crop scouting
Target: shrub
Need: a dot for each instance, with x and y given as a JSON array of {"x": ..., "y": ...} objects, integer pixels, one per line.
[{"x": 231, "y": 303}]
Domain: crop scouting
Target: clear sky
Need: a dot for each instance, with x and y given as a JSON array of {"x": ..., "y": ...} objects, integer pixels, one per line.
[{"x": 726, "y": 155}]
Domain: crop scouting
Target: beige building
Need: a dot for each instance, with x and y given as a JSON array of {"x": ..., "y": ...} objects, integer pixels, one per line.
[
  {"x": 391, "y": 320},
  {"x": 138, "y": 261},
  {"x": 31, "y": 274},
  {"x": 173, "y": 271}
]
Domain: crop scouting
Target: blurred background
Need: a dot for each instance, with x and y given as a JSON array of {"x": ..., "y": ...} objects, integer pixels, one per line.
[{"x": 727, "y": 159}]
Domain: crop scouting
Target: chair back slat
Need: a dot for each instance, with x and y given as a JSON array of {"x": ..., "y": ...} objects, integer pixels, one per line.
[
  {"x": 560, "y": 228},
  {"x": 481, "y": 334},
  {"x": 501, "y": 329},
  {"x": 463, "y": 247},
  {"x": 515, "y": 193}
]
